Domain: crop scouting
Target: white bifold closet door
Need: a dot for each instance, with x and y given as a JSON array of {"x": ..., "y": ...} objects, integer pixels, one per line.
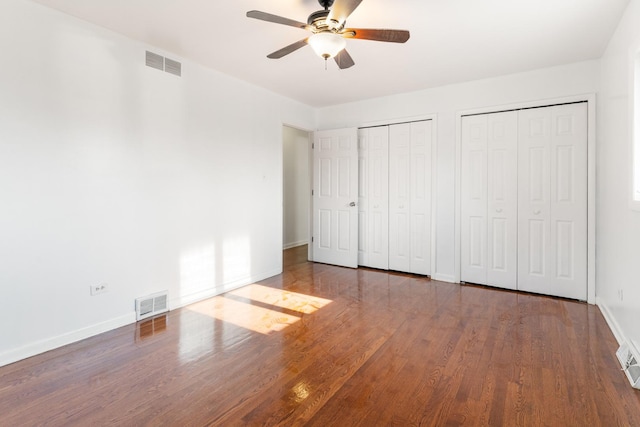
[
  {"x": 373, "y": 197},
  {"x": 410, "y": 197},
  {"x": 489, "y": 199},
  {"x": 552, "y": 197},
  {"x": 524, "y": 200}
]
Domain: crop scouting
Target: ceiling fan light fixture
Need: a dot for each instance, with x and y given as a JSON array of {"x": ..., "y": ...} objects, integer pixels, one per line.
[
  {"x": 329, "y": 33},
  {"x": 326, "y": 44}
]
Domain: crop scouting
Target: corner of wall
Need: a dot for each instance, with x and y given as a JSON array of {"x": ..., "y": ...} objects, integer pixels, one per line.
[{"x": 611, "y": 320}]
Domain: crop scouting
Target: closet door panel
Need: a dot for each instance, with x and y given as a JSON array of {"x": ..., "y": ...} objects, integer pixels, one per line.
[
  {"x": 473, "y": 230},
  {"x": 399, "y": 197},
  {"x": 534, "y": 249},
  {"x": 553, "y": 201},
  {"x": 378, "y": 226},
  {"x": 363, "y": 197},
  {"x": 374, "y": 197},
  {"x": 421, "y": 197},
  {"x": 568, "y": 196},
  {"x": 502, "y": 199}
]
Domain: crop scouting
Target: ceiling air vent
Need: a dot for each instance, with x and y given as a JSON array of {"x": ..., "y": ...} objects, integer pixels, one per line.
[
  {"x": 151, "y": 305},
  {"x": 161, "y": 63},
  {"x": 630, "y": 365}
]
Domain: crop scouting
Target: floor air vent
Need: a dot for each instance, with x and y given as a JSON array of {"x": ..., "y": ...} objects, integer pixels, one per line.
[
  {"x": 630, "y": 366},
  {"x": 151, "y": 305}
]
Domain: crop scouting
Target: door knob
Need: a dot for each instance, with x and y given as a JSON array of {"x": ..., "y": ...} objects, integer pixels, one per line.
[
  {"x": 352, "y": 204},
  {"x": 536, "y": 212},
  {"x": 499, "y": 210}
]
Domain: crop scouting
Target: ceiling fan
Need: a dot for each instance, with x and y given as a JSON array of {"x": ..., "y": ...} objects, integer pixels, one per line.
[{"x": 329, "y": 32}]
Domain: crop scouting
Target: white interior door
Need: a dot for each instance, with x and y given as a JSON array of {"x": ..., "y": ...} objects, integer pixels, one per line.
[
  {"x": 373, "y": 194},
  {"x": 335, "y": 196},
  {"x": 473, "y": 200},
  {"x": 552, "y": 193},
  {"x": 400, "y": 197}
]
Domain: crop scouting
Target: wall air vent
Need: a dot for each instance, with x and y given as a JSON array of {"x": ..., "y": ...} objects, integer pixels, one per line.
[
  {"x": 151, "y": 305},
  {"x": 161, "y": 63},
  {"x": 173, "y": 67},
  {"x": 154, "y": 60},
  {"x": 630, "y": 365}
]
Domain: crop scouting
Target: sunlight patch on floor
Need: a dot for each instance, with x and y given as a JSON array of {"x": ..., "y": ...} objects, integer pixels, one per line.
[
  {"x": 284, "y": 299},
  {"x": 257, "y": 319}
]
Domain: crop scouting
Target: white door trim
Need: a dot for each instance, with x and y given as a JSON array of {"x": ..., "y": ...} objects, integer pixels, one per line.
[{"x": 590, "y": 98}]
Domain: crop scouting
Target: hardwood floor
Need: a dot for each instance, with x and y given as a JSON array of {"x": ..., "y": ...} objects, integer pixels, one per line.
[{"x": 322, "y": 346}]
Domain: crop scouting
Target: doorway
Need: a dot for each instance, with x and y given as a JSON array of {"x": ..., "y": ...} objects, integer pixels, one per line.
[{"x": 295, "y": 186}]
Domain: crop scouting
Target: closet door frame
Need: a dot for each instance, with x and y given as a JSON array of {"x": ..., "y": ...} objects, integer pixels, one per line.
[
  {"x": 590, "y": 99},
  {"x": 434, "y": 195}
]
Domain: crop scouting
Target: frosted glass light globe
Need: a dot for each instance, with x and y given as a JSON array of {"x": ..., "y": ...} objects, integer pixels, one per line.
[{"x": 327, "y": 44}]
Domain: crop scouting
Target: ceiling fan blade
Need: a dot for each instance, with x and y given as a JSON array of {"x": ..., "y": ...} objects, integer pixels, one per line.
[
  {"x": 264, "y": 16},
  {"x": 344, "y": 60},
  {"x": 342, "y": 9},
  {"x": 288, "y": 49},
  {"x": 393, "y": 36}
]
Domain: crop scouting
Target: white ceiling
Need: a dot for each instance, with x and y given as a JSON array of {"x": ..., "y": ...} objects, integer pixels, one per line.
[{"x": 451, "y": 40}]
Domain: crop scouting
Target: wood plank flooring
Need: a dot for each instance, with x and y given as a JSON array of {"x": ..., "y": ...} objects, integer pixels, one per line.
[{"x": 328, "y": 346}]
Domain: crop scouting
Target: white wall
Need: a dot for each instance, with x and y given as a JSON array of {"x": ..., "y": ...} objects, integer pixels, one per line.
[
  {"x": 295, "y": 187},
  {"x": 618, "y": 227},
  {"x": 114, "y": 172},
  {"x": 573, "y": 79}
]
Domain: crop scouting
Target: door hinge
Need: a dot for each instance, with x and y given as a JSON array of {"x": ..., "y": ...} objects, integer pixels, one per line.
[
  {"x": 312, "y": 192},
  {"x": 311, "y": 239},
  {"x": 313, "y": 145}
]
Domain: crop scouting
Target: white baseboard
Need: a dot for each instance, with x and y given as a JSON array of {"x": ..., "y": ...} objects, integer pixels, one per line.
[
  {"x": 611, "y": 321},
  {"x": 295, "y": 244},
  {"x": 443, "y": 278},
  {"x": 48, "y": 344}
]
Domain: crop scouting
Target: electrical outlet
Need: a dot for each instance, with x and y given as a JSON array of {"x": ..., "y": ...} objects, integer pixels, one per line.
[{"x": 98, "y": 289}]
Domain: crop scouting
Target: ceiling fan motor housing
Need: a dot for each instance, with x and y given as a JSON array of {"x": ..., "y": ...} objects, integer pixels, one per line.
[
  {"x": 319, "y": 19},
  {"x": 320, "y": 22}
]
